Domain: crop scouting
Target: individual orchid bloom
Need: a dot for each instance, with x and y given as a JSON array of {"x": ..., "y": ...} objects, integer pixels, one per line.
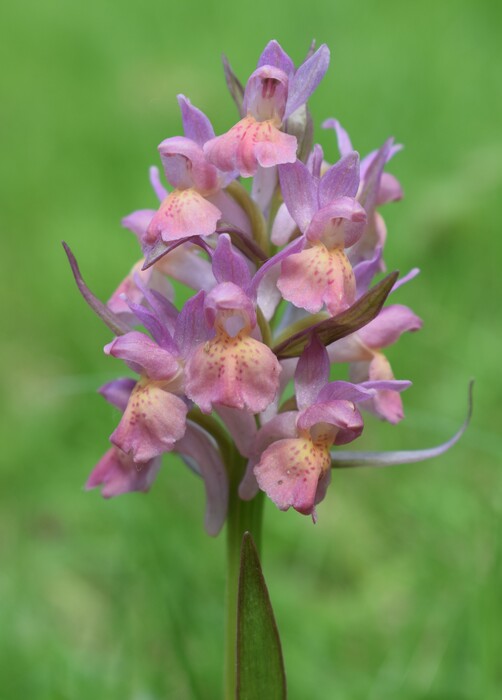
[
  {"x": 376, "y": 188},
  {"x": 232, "y": 368},
  {"x": 129, "y": 290},
  {"x": 331, "y": 220},
  {"x": 273, "y": 92},
  {"x": 154, "y": 416},
  {"x": 294, "y": 467},
  {"x": 188, "y": 210}
]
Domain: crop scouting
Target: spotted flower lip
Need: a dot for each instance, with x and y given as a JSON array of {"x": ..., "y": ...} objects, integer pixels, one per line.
[{"x": 273, "y": 92}]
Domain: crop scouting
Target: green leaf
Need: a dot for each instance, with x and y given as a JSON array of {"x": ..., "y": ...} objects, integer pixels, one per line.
[
  {"x": 260, "y": 666},
  {"x": 362, "y": 312}
]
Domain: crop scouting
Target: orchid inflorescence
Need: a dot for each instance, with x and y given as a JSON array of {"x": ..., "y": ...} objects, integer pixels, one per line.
[{"x": 240, "y": 377}]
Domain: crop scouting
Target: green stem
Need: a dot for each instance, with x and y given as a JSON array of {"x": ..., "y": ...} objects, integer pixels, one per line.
[{"x": 243, "y": 516}]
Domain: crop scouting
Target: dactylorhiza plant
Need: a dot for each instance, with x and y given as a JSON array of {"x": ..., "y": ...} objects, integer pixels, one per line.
[{"x": 260, "y": 377}]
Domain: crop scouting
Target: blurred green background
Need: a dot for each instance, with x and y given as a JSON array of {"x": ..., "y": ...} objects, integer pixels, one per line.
[{"x": 396, "y": 593}]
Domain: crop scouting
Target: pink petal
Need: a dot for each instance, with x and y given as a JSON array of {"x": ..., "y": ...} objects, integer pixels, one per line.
[
  {"x": 318, "y": 276},
  {"x": 185, "y": 165},
  {"x": 117, "y": 473},
  {"x": 389, "y": 325},
  {"x": 386, "y": 404},
  {"x": 184, "y": 213},
  {"x": 152, "y": 422},
  {"x": 289, "y": 472},
  {"x": 128, "y": 290},
  {"x": 237, "y": 372},
  {"x": 248, "y": 144},
  {"x": 144, "y": 356}
]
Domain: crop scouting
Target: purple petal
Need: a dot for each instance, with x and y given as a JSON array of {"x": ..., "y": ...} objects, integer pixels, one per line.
[
  {"x": 144, "y": 356},
  {"x": 186, "y": 166},
  {"x": 312, "y": 373},
  {"x": 389, "y": 325},
  {"x": 341, "y": 414},
  {"x": 228, "y": 265},
  {"x": 385, "y": 459},
  {"x": 366, "y": 270},
  {"x": 344, "y": 391},
  {"x": 138, "y": 222},
  {"x": 299, "y": 192},
  {"x": 306, "y": 79},
  {"x": 407, "y": 278},
  {"x": 113, "y": 322},
  {"x": 284, "y": 226},
  {"x": 341, "y": 180},
  {"x": 344, "y": 142},
  {"x": 196, "y": 125},
  {"x": 199, "y": 451},
  {"x": 191, "y": 326},
  {"x": 118, "y": 391},
  {"x": 290, "y": 249},
  {"x": 390, "y": 190},
  {"x": 324, "y": 224},
  {"x": 154, "y": 326},
  {"x": 274, "y": 55},
  {"x": 157, "y": 186}
]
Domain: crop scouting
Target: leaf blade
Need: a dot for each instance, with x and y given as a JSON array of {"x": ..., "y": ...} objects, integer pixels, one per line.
[{"x": 260, "y": 665}]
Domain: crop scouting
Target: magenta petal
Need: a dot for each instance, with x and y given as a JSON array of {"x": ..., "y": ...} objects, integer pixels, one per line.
[
  {"x": 144, "y": 356},
  {"x": 341, "y": 180},
  {"x": 196, "y": 125},
  {"x": 389, "y": 325},
  {"x": 117, "y": 473},
  {"x": 289, "y": 472},
  {"x": 118, "y": 391},
  {"x": 312, "y": 373},
  {"x": 152, "y": 422},
  {"x": 199, "y": 451},
  {"x": 299, "y": 191}
]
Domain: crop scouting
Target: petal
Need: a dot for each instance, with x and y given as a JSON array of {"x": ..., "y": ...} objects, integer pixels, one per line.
[
  {"x": 186, "y": 264},
  {"x": 349, "y": 349},
  {"x": 152, "y": 422},
  {"x": 344, "y": 142},
  {"x": 191, "y": 326},
  {"x": 266, "y": 93},
  {"x": 339, "y": 223},
  {"x": 249, "y": 144},
  {"x": 129, "y": 291},
  {"x": 341, "y": 180},
  {"x": 144, "y": 356},
  {"x": 242, "y": 427},
  {"x": 118, "y": 391},
  {"x": 316, "y": 276},
  {"x": 312, "y": 373},
  {"x": 228, "y": 264},
  {"x": 196, "y": 125},
  {"x": 284, "y": 227},
  {"x": 386, "y": 403},
  {"x": 117, "y": 473},
  {"x": 307, "y": 78},
  {"x": 237, "y": 372},
  {"x": 322, "y": 417},
  {"x": 390, "y": 190},
  {"x": 186, "y": 166},
  {"x": 274, "y": 55},
  {"x": 201, "y": 454},
  {"x": 299, "y": 190},
  {"x": 389, "y": 325},
  {"x": 289, "y": 472},
  {"x": 385, "y": 459},
  {"x": 138, "y": 221},
  {"x": 156, "y": 184},
  {"x": 184, "y": 213}
]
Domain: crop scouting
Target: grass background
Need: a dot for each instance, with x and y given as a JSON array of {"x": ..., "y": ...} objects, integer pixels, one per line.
[{"x": 395, "y": 594}]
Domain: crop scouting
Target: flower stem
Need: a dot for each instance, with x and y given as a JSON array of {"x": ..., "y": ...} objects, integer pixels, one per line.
[{"x": 243, "y": 516}]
